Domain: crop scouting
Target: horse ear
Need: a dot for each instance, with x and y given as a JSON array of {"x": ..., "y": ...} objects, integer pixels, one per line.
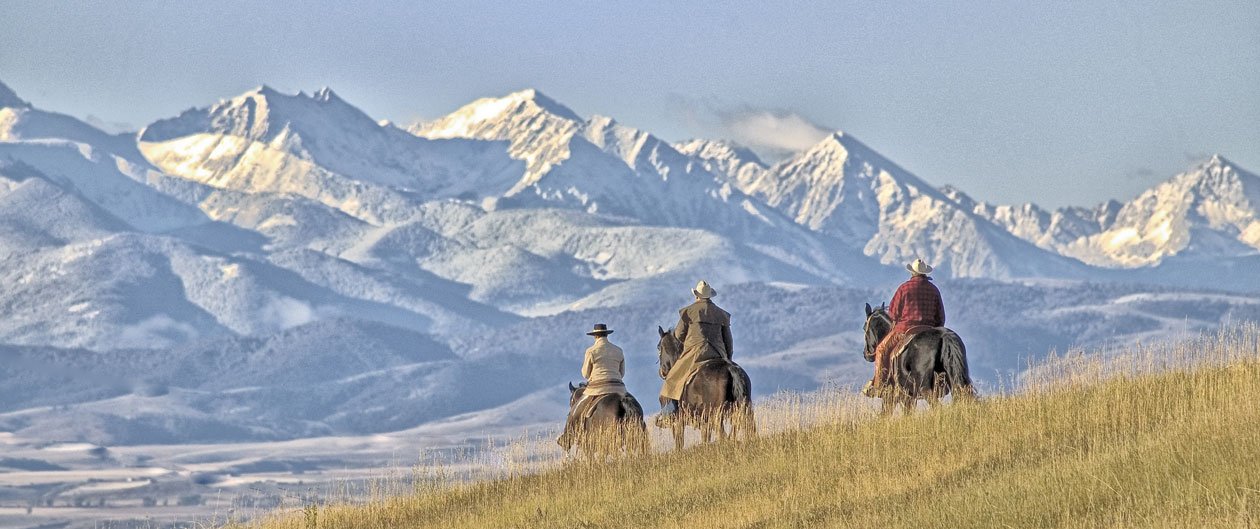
[
  {"x": 883, "y": 306},
  {"x": 660, "y": 330},
  {"x": 571, "y": 388},
  {"x": 868, "y": 309}
]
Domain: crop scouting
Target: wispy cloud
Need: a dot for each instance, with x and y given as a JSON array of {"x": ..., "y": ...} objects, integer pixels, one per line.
[
  {"x": 1196, "y": 157},
  {"x": 772, "y": 129},
  {"x": 772, "y": 132},
  {"x": 1140, "y": 173}
]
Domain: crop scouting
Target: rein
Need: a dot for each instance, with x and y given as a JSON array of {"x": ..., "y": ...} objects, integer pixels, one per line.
[{"x": 869, "y": 330}]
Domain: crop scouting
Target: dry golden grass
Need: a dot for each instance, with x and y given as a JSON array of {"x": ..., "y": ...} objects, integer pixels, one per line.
[{"x": 1162, "y": 436}]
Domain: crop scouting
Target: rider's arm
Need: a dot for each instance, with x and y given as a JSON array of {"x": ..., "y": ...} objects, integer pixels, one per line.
[
  {"x": 894, "y": 306},
  {"x": 680, "y": 330},
  {"x": 940, "y": 308},
  {"x": 587, "y": 364}
]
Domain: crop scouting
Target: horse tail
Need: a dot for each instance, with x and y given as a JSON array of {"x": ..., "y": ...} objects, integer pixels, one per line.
[
  {"x": 634, "y": 429},
  {"x": 630, "y": 408},
  {"x": 742, "y": 420},
  {"x": 954, "y": 358},
  {"x": 741, "y": 385}
]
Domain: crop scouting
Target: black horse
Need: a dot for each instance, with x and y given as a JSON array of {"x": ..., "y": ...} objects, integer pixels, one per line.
[
  {"x": 719, "y": 391},
  {"x": 932, "y": 364},
  {"x": 609, "y": 426}
]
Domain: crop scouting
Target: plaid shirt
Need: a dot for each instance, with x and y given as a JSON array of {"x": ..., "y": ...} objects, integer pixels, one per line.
[{"x": 917, "y": 302}]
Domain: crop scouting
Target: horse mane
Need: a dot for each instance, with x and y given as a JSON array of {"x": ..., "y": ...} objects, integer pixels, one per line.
[{"x": 881, "y": 312}]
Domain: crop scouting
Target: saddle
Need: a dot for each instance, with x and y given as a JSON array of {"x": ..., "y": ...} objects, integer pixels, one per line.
[
  {"x": 586, "y": 406},
  {"x": 695, "y": 369},
  {"x": 900, "y": 346}
]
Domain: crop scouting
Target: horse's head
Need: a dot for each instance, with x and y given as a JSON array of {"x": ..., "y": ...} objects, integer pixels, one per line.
[
  {"x": 667, "y": 350},
  {"x": 574, "y": 395},
  {"x": 878, "y": 324}
]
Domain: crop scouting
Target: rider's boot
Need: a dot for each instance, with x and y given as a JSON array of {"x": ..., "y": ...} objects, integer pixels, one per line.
[
  {"x": 566, "y": 439},
  {"x": 870, "y": 390},
  {"x": 669, "y": 411}
]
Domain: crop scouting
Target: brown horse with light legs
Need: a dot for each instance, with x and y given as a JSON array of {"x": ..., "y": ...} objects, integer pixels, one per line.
[
  {"x": 932, "y": 364},
  {"x": 613, "y": 428},
  {"x": 719, "y": 392}
]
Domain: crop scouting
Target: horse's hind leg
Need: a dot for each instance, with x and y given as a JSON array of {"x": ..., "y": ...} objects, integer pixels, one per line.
[
  {"x": 707, "y": 421},
  {"x": 907, "y": 402},
  {"x": 937, "y": 392},
  {"x": 721, "y": 423},
  {"x": 639, "y": 439},
  {"x": 742, "y": 421},
  {"x": 886, "y": 405}
]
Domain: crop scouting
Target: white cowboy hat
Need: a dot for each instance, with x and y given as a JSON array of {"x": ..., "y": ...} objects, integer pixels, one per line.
[
  {"x": 919, "y": 267},
  {"x": 703, "y": 290}
]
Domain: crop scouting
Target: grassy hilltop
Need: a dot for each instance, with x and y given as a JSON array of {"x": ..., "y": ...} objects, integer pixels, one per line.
[{"x": 1161, "y": 437}]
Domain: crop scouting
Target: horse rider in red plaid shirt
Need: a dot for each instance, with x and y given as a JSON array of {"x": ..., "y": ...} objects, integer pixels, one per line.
[{"x": 916, "y": 304}]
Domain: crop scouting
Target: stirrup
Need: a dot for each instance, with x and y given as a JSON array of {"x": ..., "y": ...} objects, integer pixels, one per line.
[
  {"x": 871, "y": 390},
  {"x": 668, "y": 414}
]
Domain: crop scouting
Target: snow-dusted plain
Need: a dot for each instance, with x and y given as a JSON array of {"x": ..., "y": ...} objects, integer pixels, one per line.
[{"x": 238, "y": 305}]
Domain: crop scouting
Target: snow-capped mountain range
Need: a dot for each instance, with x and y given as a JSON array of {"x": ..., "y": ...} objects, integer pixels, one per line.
[
  {"x": 1208, "y": 211},
  {"x": 248, "y": 222}
]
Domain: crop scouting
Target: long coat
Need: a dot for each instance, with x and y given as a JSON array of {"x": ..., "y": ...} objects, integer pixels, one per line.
[
  {"x": 705, "y": 332},
  {"x": 603, "y": 368}
]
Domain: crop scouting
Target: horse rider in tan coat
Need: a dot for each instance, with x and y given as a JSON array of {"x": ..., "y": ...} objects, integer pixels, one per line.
[
  {"x": 704, "y": 329},
  {"x": 603, "y": 369}
]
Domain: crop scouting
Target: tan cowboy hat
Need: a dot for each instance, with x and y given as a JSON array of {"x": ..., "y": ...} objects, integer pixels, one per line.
[
  {"x": 703, "y": 290},
  {"x": 600, "y": 330},
  {"x": 919, "y": 267}
]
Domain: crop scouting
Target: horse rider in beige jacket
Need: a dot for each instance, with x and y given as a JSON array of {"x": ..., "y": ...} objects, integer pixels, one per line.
[
  {"x": 604, "y": 365},
  {"x": 603, "y": 369}
]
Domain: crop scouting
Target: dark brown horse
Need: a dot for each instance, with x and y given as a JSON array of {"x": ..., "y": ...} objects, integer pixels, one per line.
[
  {"x": 614, "y": 427},
  {"x": 931, "y": 365},
  {"x": 720, "y": 391}
]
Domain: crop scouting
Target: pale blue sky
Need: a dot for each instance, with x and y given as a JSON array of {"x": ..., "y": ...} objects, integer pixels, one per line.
[{"x": 1059, "y": 103}]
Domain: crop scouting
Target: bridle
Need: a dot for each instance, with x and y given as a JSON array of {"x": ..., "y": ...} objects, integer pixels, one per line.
[{"x": 872, "y": 341}]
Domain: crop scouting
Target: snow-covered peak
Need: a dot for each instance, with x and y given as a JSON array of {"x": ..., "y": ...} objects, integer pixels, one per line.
[
  {"x": 826, "y": 166},
  {"x": 829, "y": 154},
  {"x": 959, "y": 197},
  {"x": 1212, "y": 209},
  {"x": 1215, "y": 191},
  {"x": 842, "y": 148},
  {"x": 537, "y": 128},
  {"x": 9, "y": 98},
  {"x": 627, "y": 143},
  {"x": 738, "y": 164},
  {"x": 325, "y": 95},
  {"x": 486, "y": 118},
  {"x": 321, "y": 147},
  {"x": 845, "y": 189},
  {"x": 718, "y": 150},
  {"x": 1217, "y": 177},
  {"x": 262, "y": 114},
  {"x": 541, "y": 100},
  {"x": 21, "y": 121}
]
